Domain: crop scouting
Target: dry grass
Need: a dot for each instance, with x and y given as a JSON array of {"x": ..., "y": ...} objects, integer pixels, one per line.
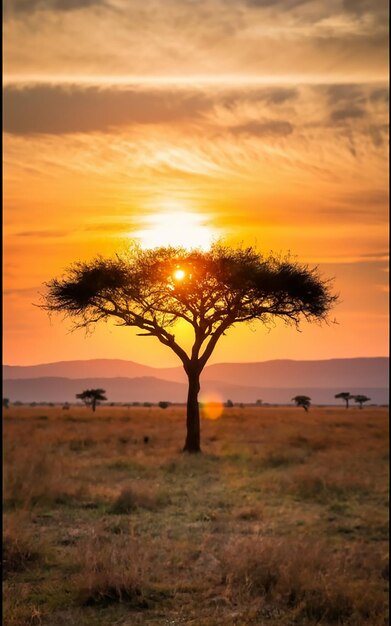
[
  {"x": 133, "y": 497},
  {"x": 282, "y": 520},
  {"x": 307, "y": 578},
  {"x": 111, "y": 571},
  {"x": 21, "y": 550}
]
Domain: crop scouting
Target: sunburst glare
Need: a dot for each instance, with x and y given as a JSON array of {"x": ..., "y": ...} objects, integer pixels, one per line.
[
  {"x": 177, "y": 228},
  {"x": 179, "y": 274}
]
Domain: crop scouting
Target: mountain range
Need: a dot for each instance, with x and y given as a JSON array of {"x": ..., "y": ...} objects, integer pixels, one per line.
[{"x": 273, "y": 381}]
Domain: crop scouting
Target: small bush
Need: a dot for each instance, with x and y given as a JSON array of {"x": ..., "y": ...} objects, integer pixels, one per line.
[
  {"x": 78, "y": 445},
  {"x": 111, "y": 571},
  {"x": 132, "y": 498},
  {"x": 164, "y": 405},
  {"x": 249, "y": 513},
  {"x": 282, "y": 459},
  {"x": 19, "y": 550},
  {"x": 323, "y": 488}
]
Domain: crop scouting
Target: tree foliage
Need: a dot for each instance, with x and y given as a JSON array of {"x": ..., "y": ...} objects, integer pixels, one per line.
[
  {"x": 92, "y": 397},
  {"x": 346, "y": 396},
  {"x": 303, "y": 401},
  {"x": 360, "y": 399},
  {"x": 210, "y": 291},
  {"x": 163, "y": 404},
  {"x": 220, "y": 288}
]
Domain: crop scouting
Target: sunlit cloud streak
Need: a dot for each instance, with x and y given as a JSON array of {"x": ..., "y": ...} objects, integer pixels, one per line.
[{"x": 203, "y": 38}]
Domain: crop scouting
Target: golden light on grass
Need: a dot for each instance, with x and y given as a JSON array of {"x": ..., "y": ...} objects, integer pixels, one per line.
[
  {"x": 106, "y": 564},
  {"x": 176, "y": 228}
]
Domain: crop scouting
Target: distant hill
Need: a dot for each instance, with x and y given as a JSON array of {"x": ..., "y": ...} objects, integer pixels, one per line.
[
  {"x": 119, "y": 389},
  {"x": 103, "y": 368},
  {"x": 56, "y": 389},
  {"x": 153, "y": 390},
  {"x": 331, "y": 373},
  {"x": 272, "y": 381},
  {"x": 335, "y": 373}
]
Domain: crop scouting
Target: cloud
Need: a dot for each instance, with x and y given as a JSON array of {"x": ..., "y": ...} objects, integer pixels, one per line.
[
  {"x": 14, "y": 7},
  {"x": 22, "y": 291},
  {"x": 203, "y": 38},
  {"x": 49, "y": 109},
  {"x": 59, "y": 109},
  {"x": 263, "y": 129},
  {"x": 341, "y": 115},
  {"x": 43, "y": 234}
]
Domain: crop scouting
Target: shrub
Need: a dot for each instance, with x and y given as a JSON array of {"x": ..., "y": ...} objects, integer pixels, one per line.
[
  {"x": 20, "y": 550},
  {"x": 132, "y": 498},
  {"x": 164, "y": 405},
  {"x": 111, "y": 571}
]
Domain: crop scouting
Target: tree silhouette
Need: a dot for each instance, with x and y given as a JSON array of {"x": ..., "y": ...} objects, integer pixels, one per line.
[
  {"x": 92, "y": 397},
  {"x": 210, "y": 291},
  {"x": 345, "y": 395},
  {"x": 6, "y": 403},
  {"x": 303, "y": 401},
  {"x": 360, "y": 399}
]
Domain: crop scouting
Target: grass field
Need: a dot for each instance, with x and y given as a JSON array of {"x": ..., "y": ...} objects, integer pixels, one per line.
[{"x": 282, "y": 520}]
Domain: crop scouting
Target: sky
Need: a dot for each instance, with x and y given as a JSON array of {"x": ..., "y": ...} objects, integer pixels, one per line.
[{"x": 261, "y": 122}]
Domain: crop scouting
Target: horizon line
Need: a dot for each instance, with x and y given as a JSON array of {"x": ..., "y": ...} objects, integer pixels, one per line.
[{"x": 387, "y": 356}]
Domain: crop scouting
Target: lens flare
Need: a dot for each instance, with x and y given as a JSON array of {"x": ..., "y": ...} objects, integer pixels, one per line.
[{"x": 212, "y": 406}]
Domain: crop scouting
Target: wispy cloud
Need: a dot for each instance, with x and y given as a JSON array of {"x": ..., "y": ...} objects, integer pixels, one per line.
[
  {"x": 203, "y": 38},
  {"x": 43, "y": 234}
]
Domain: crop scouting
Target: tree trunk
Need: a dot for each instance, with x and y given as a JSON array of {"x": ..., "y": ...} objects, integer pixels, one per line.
[
  {"x": 93, "y": 405},
  {"x": 347, "y": 403},
  {"x": 192, "y": 443}
]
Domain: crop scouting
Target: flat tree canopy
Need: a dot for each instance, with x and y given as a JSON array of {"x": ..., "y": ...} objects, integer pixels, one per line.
[
  {"x": 92, "y": 397},
  {"x": 211, "y": 291}
]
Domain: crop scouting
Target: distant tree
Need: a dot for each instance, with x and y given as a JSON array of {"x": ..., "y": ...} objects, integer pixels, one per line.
[
  {"x": 303, "y": 401},
  {"x": 66, "y": 406},
  {"x": 92, "y": 397},
  {"x": 346, "y": 396},
  {"x": 229, "y": 404},
  {"x": 6, "y": 403},
  {"x": 360, "y": 399},
  {"x": 163, "y": 404},
  {"x": 259, "y": 402},
  {"x": 210, "y": 291}
]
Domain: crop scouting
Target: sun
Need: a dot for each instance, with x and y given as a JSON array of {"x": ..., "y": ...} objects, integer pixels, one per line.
[
  {"x": 178, "y": 229},
  {"x": 179, "y": 274}
]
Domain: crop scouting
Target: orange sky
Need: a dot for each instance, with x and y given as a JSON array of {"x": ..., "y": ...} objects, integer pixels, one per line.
[{"x": 266, "y": 121}]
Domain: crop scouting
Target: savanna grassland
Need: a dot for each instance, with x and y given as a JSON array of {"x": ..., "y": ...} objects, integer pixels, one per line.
[{"x": 281, "y": 521}]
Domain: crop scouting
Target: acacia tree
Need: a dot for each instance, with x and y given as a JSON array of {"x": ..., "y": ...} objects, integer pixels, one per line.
[
  {"x": 304, "y": 401},
  {"x": 345, "y": 395},
  {"x": 360, "y": 399},
  {"x": 92, "y": 397},
  {"x": 210, "y": 291}
]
